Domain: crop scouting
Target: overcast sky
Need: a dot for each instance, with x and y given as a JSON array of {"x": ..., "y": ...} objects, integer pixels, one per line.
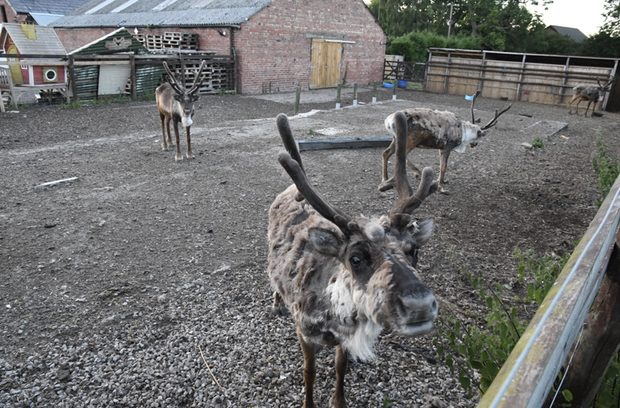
[{"x": 586, "y": 15}]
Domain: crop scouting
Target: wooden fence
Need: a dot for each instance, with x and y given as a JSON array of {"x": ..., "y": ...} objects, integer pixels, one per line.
[
  {"x": 547, "y": 79},
  {"x": 145, "y": 73},
  {"x": 546, "y": 346}
]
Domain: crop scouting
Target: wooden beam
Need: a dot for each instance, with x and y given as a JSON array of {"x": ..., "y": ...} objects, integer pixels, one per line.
[{"x": 345, "y": 143}]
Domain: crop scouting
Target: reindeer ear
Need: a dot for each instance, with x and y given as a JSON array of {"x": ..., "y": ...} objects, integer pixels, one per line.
[{"x": 326, "y": 242}]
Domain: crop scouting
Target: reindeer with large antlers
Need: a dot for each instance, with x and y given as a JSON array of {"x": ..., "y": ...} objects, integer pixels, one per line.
[
  {"x": 588, "y": 93},
  {"x": 342, "y": 278},
  {"x": 176, "y": 103},
  {"x": 433, "y": 129}
]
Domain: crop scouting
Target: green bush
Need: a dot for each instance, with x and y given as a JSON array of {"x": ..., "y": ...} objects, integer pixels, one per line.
[
  {"x": 476, "y": 351},
  {"x": 414, "y": 46}
]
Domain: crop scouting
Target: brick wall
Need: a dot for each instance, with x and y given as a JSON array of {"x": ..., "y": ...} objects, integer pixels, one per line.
[{"x": 273, "y": 47}]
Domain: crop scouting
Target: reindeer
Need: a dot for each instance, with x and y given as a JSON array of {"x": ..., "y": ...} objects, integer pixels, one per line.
[
  {"x": 433, "y": 129},
  {"x": 588, "y": 93},
  {"x": 176, "y": 103},
  {"x": 343, "y": 279}
]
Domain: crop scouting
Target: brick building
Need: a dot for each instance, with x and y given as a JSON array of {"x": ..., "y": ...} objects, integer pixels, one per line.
[{"x": 277, "y": 44}]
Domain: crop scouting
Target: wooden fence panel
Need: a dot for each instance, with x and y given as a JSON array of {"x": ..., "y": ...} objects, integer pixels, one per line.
[{"x": 531, "y": 369}]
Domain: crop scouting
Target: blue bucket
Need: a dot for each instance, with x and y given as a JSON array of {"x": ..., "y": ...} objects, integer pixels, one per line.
[
  {"x": 402, "y": 84},
  {"x": 388, "y": 85}
]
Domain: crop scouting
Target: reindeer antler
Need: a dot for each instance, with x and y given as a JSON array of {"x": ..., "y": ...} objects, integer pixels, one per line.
[
  {"x": 291, "y": 162},
  {"x": 172, "y": 80},
  {"x": 493, "y": 121},
  {"x": 407, "y": 201},
  {"x": 197, "y": 84},
  {"x": 473, "y": 101}
]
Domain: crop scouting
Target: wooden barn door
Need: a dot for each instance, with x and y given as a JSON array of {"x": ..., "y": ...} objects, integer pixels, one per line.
[{"x": 325, "y": 64}]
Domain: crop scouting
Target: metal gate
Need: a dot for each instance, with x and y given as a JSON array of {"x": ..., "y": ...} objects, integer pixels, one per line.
[{"x": 325, "y": 64}]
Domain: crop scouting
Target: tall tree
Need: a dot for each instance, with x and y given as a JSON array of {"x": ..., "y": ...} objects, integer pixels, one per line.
[{"x": 612, "y": 18}]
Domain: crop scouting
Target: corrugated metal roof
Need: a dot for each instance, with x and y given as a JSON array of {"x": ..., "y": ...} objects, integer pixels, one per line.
[
  {"x": 46, "y": 41},
  {"x": 60, "y": 7},
  {"x": 161, "y": 13}
]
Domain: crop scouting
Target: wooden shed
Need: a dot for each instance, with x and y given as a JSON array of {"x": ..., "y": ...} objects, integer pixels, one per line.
[
  {"x": 539, "y": 78},
  {"x": 35, "y": 40},
  {"x": 276, "y": 45},
  {"x": 112, "y": 77}
]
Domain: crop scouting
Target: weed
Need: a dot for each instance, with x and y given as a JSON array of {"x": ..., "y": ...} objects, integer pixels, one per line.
[
  {"x": 310, "y": 131},
  {"x": 538, "y": 143},
  {"x": 606, "y": 169},
  {"x": 476, "y": 351}
]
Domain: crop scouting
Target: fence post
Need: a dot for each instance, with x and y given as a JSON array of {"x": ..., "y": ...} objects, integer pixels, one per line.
[
  {"x": 339, "y": 88},
  {"x": 394, "y": 91},
  {"x": 598, "y": 344},
  {"x": 374, "y": 92},
  {"x": 355, "y": 94},
  {"x": 73, "y": 79},
  {"x": 132, "y": 75},
  {"x": 297, "y": 97}
]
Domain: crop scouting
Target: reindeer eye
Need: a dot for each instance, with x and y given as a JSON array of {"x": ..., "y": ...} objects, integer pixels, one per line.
[{"x": 355, "y": 260}]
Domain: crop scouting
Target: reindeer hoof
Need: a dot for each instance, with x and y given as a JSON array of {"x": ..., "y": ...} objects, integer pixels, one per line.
[
  {"x": 178, "y": 158},
  {"x": 190, "y": 156},
  {"x": 279, "y": 310},
  {"x": 386, "y": 185}
]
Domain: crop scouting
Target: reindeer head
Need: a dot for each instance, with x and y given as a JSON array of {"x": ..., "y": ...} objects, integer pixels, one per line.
[
  {"x": 473, "y": 132},
  {"x": 185, "y": 97},
  {"x": 377, "y": 285}
]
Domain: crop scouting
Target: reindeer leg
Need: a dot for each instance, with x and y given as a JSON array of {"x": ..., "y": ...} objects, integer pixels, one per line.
[
  {"x": 278, "y": 308},
  {"x": 164, "y": 145},
  {"x": 443, "y": 166},
  {"x": 385, "y": 156},
  {"x": 338, "y": 400},
  {"x": 177, "y": 156},
  {"x": 585, "y": 115},
  {"x": 189, "y": 145},
  {"x": 169, "y": 136},
  {"x": 414, "y": 168},
  {"x": 309, "y": 352}
]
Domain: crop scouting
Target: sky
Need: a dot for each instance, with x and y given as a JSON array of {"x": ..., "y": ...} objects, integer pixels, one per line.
[{"x": 586, "y": 15}]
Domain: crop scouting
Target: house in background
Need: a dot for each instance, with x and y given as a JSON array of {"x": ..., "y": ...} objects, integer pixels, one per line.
[
  {"x": 572, "y": 33},
  {"x": 33, "y": 39},
  {"x": 36, "y": 11},
  {"x": 277, "y": 45}
]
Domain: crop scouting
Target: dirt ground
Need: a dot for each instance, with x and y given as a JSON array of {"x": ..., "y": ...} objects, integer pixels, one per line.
[{"x": 141, "y": 250}]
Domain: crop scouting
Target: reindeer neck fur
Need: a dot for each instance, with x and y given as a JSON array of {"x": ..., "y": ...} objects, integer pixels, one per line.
[{"x": 328, "y": 306}]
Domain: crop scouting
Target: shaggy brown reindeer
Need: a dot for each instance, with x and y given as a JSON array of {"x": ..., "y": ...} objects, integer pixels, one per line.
[
  {"x": 176, "y": 104},
  {"x": 588, "y": 93},
  {"x": 433, "y": 129},
  {"x": 343, "y": 279}
]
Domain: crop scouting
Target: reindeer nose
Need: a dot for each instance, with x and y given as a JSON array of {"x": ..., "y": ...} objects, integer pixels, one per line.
[{"x": 420, "y": 307}]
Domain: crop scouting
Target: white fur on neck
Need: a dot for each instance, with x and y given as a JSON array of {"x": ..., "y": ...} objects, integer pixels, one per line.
[
  {"x": 360, "y": 343},
  {"x": 470, "y": 133}
]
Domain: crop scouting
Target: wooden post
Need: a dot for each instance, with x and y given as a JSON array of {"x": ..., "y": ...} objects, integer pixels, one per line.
[
  {"x": 297, "y": 97},
  {"x": 374, "y": 92},
  {"x": 72, "y": 79},
  {"x": 355, "y": 94},
  {"x": 339, "y": 89},
  {"x": 394, "y": 91},
  {"x": 132, "y": 75},
  {"x": 599, "y": 341}
]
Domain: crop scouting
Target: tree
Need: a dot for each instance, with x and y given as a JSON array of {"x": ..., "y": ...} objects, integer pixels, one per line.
[{"x": 612, "y": 18}]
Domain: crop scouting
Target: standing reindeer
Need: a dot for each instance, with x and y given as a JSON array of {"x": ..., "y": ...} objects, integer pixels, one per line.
[
  {"x": 433, "y": 129},
  {"x": 176, "y": 103},
  {"x": 588, "y": 93},
  {"x": 343, "y": 278}
]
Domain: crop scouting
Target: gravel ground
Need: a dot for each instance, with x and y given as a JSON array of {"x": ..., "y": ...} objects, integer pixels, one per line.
[{"x": 143, "y": 284}]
